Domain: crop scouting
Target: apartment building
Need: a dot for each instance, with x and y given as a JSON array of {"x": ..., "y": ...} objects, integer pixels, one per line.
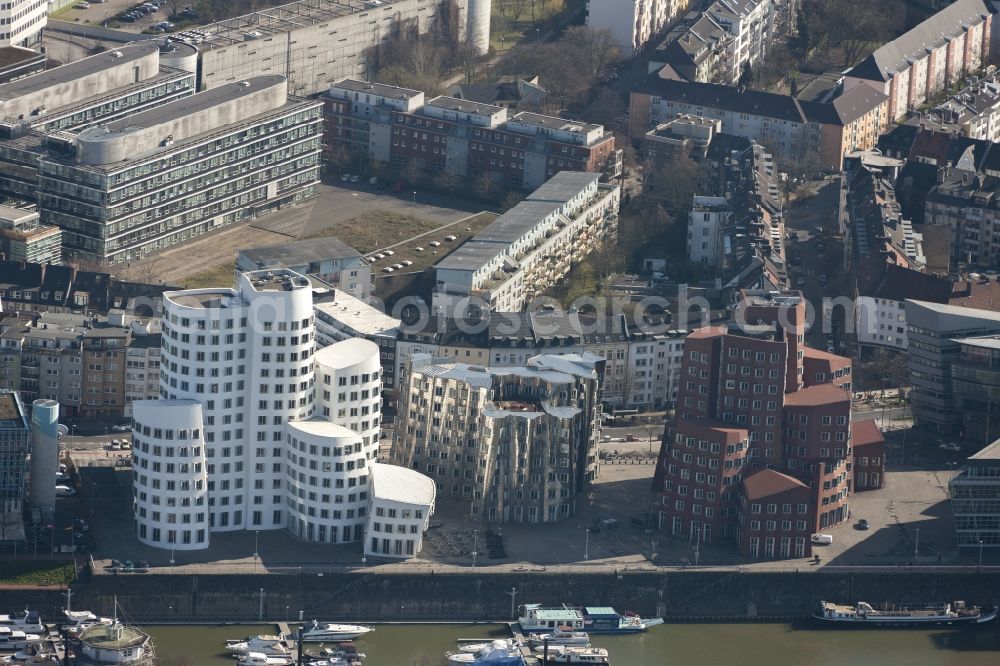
[
  {"x": 869, "y": 456},
  {"x": 749, "y": 22},
  {"x": 928, "y": 59},
  {"x": 528, "y": 248},
  {"x": 311, "y": 43},
  {"x": 973, "y": 111},
  {"x": 328, "y": 259},
  {"x": 794, "y": 131},
  {"x": 23, "y": 22},
  {"x": 180, "y": 170},
  {"x": 934, "y": 331},
  {"x": 709, "y": 220},
  {"x": 461, "y": 137},
  {"x": 255, "y": 428},
  {"x": 76, "y": 360},
  {"x": 634, "y": 24},
  {"x": 518, "y": 444},
  {"x": 696, "y": 49},
  {"x": 23, "y": 238},
  {"x": 760, "y": 451},
  {"x": 142, "y": 366},
  {"x": 101, "y": 88}
]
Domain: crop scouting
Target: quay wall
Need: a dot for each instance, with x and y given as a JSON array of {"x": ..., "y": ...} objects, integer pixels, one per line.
[{"x": 715, "y": 595}]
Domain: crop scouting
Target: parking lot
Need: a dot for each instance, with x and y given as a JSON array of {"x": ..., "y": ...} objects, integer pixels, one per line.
[{"x": 111, "y": 12}]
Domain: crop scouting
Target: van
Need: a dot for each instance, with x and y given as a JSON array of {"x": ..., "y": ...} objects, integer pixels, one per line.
[{"x": 822, "y": 539}]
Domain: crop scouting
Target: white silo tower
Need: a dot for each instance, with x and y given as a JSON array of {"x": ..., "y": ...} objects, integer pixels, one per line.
[
  {"x": 44, "y": 456},
  {"x": 479, "y": 24}
]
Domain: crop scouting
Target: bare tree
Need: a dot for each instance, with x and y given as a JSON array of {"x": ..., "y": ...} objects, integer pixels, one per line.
[
  {"x": 411, "y": 173},
  {"x": 597, "y": 49},
  {"x": 447, "y": 182}
]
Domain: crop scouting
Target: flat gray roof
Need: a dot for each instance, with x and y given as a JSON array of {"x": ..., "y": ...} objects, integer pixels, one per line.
[
  {"x": 563, "y": 186},
  {"x": 555, "y": 123},
  {"x": 380, "y": 89},
  {"x": 75, "y": 70},
  {"x": 515, "y": 222},
  {"x": 464, "y": 105},
  {"x": 301, "y": 252},
  {"x": 472, "y": 255},
  {"x": 195, "y": 104}
]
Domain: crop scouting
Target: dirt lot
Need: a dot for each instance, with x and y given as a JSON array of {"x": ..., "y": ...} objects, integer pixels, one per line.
[{"x": 360, "y": 216}]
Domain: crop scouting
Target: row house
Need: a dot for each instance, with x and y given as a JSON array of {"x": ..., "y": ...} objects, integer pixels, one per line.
[
  {"x": 928, "y": 59},
  {"x": 634, "y": 24}
]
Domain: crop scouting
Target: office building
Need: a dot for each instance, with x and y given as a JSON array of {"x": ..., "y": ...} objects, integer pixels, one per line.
[
  {"x": 280, "y": 436},
  {"x": 709, "y": 219},
  {"x": 757, "y": 428},
  {"x": 15, "y": 443},
  {"x": 869, "y": 456},
  {"x": 22, "y": 238},
  {"x": 242, "y": 150},
  {"x": 17, "y": 62},
  {"x": 975, "y": 385},
  {"x": 975, "y": 502},
  {"x": 402, "y": 506},
  {"x": 934, "y": 331},
  {"x": 102, "y": 88},
  {"x": 371, "y": 121},
  {"x": 528, "y": 248},
  {"x": 928, "y": 59},
  {"x": 329, "y": 259},
  {"x": 516, "y": 444},
  {"x": 313, "y": 42},
  {"x": 22, "y": 22}
]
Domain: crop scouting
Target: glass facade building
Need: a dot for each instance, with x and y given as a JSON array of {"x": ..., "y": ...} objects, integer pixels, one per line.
[{"x": 975, "y": 500}]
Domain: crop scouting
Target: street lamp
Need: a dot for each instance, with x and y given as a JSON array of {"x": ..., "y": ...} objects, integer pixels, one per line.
[
  {"x": 916, "y": 545},
  {"x": 475, "y": 547},
  {"x": 256, "y": 537},
  {"x": 414, "y": 196},
  {"x": 586, "y": 545},
  {"x": 980, "y": 552}
]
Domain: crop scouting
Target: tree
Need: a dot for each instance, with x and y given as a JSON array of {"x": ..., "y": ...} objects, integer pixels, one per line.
[
  {"x": 447, "y": 182},
  {"x": 746, "y": 76},
  {"x": 676, "y": 182},
  {"x": 511, "y": 199},
  {"x": 605, "y": 109},
  {"x": 338, "y": 156},
  {"x": 597, "y": 50},
  {"x": 516, "y": 9},
  {"x": 482, "y": 185},
  {"x": 411, "y": 173}
]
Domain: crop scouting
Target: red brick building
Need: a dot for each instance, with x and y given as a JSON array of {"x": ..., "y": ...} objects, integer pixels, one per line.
[
  {"x": 366, "y": 122},
  {"x": 774, "y": 517},
  {"x": 753, "y": 399},
  {"x": 869, "y": 456}
]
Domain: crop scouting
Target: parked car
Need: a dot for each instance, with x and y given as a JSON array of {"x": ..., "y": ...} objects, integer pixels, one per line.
[
  {"x": 950, "y": 446},
  {"x": 116, "y": 445},
  {"x": 380, "y": 256},
  {"x": 355, "y": 179},
  {"x": 122, "y": 427},
  {"x": 822, "y": 539},
  {"x": 418, "y": 249},
  {"x": 64, "y": 491},
  {"x": 406, "y": 262},
  {"x": 345, "y": 178},
  {"x": 389, "y": 253},
  {"x": 82, "y": 5},
  {"x": 861, "y": 524},
  {"x": 388, "y": 269},
  {"x": 450, "y": 237},
  {"x": 126, "y": 446},
  {"x": 435, "y": 243}
]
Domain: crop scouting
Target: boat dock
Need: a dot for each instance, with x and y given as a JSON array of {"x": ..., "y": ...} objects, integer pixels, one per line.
[
  {"x": 289, "y": 639},
  {"x": 515, "y": 630}
]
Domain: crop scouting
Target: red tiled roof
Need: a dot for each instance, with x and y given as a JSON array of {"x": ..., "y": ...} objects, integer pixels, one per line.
[
  {"x": 707, "y": 332},
  {"x": 865, "y": 433},
  {"x": 820, "y": 355},
  {"x": 813, "y": 396},
  {"x": 769, "y": 482}
]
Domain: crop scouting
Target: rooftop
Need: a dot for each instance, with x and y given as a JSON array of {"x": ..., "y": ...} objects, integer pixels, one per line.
[
  {"x": 379, "y": 89},
  {"x": 11, "y": 413},
  {"x": 299, "y": 253},
  {"x": 103, "y": 637},
  {"x": 555, "y": 123},
  {"x": 400, "y": 484},
  {"x": 13, "y": 55},
  {"x": 202, "y": 298},
  {"x": 75, "y": 70},
  {"x": 321, "y": 427},
  {"x": 346, "y": 353},
  {"x": 814, "y": 396},
  {"x": 360, "y": 317},
  {"x": 865, "y": 433},
  {"x": 990, "y": 452},
  {"x": 769, "y": 482},
  {"x": 464, "y": 105}
]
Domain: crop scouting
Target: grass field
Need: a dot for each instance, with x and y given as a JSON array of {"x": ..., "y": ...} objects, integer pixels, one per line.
[
  {"x": 36, "y": 573},
  {"x": 220, "y": 276},
  {"x": 504, "y": 35}
]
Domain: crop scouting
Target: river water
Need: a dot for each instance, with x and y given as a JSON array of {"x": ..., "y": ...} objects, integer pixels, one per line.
[{"x": 666, "y": 645}]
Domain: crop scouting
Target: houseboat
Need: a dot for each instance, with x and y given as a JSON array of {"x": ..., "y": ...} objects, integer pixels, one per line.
[
  {"x": 955, "y": 614},
  {"x": 536, "y": 619}
]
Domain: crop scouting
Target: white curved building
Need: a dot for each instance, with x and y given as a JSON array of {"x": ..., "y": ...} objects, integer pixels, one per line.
[
  {"x": 401, "y": 508},
  {"x": 44, "y": 456},
  {"x": 278, "y": 448},
  {"x": 246, "y": 356},
  {"x": 328, "y": 475},
  {"x": 171, "y": 483}
]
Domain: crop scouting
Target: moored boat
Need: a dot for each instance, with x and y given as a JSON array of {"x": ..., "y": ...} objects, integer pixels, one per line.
[
  {"x": 497, "y": 653},
  {"x": 324, "y": 632},
  {"x": 28, "y": 621},
  {"x": 567, "y": 654},
  {"x": 862, "y": 614},
  {"x": 15, "y": 639},
  {"x": 561, "y": 636},
  {"x": 535, "y": 618},
  {"x": 268, "y": 645},
  {"x": 261, "y": 659},
  {"x": 606, "y": 620},
  {"x": 476, "y": 647}
]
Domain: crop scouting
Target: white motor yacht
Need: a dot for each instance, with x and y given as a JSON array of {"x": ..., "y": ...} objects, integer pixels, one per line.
[
  {"x": 497, "y": 653},
  {"x": 324, "y": 632},
  {"x": 561, "y": 637},
  {"x": 11, "y": 639},
  {"x": 28, "y": 621},
  {"x": 269, "y": 645},
  {"x": 261, "y": 659},
  {"x": 566, "y": 654},
  {"x": 476, "y": 647}
]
